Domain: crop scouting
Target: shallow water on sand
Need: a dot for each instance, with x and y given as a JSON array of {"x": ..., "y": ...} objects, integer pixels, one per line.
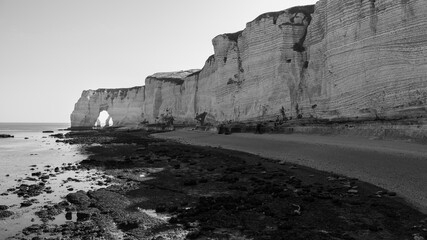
[{"x": 32, "y": 151}]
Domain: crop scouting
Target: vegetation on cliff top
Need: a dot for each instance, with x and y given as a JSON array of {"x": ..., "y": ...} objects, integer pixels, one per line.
[
  {"x": 307, "y": 10},
  {"x": 112, "y": 90},
  {"x": 234, "y": 36}
]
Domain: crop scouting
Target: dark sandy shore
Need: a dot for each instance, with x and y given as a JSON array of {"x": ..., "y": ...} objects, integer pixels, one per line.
[
  {"x": 395, "y": 165},
  {"x": 169, "y": 190}
]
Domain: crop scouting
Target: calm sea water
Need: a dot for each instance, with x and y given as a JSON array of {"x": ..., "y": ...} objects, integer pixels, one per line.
[{"x": 18, "y": 154}]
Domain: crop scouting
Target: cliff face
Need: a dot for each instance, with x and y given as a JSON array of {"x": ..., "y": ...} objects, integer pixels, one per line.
[
  {"x": 367, "y": 59},
  {"x": 125, "y": 106},
  {"x": 165, "y": 95},
  {"x": 338, "y": 59}
]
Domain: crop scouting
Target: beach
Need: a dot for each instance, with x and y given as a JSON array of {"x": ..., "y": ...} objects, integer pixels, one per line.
[
  {"x": 163, "y": 189},
  {"x": 36, "y": 170},
  {"x": 396, "y": 165}
]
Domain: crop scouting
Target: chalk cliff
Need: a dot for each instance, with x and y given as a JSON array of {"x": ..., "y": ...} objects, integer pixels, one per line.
[
  {"x": 125, "y": 106},
  {"x": 356, "y": 59}
]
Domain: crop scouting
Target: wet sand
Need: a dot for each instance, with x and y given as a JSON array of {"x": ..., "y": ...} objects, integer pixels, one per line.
[{"x": 394, "y": 165}]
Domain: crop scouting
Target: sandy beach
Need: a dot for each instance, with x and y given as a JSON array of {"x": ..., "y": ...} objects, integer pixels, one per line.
[{"x": 394, "y": 165}]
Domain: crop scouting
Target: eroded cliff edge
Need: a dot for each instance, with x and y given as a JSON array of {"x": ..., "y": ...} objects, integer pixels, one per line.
[{"x": 354, "y": 60}]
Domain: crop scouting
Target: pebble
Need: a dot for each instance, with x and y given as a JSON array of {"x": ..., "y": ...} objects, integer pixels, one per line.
[
  {"x": 417, "y": 236},
  {"x": 69, "y": 216},
  {"x": 37, "y": 174},
  {"x": 26, "y": 204},
  {"x": 392, "y": 194},
  {"x": 44, "y": 177},
  {"x": 83, "y": 216}
]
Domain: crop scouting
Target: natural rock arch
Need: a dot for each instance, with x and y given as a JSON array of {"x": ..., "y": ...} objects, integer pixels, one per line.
[{"x": 104, "y": 119}]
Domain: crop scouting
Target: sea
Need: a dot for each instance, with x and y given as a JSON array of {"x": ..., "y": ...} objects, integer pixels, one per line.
[{"x": 29, "y": 151}]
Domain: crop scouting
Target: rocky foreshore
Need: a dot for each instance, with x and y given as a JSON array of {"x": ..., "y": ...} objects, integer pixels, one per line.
[{"x": 166, "y": 190}]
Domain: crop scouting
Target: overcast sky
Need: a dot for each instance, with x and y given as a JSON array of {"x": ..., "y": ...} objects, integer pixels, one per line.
[{"x": 51, "y": 50}]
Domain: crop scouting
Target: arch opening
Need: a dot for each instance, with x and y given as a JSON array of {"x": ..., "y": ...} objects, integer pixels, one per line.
[{"x": 104, "y": 120}]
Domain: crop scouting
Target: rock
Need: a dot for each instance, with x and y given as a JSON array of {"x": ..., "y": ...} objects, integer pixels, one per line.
[
  {"x": 3, "y": 207},
  {"x": 6, "y": 136},
  {"x": 83, "y": 216},
  {"x": 44, "y": 177},
  {"x": 392, "y": 194},
  {"x": 417, "y": 236},
  {"x": 79, "y": 198},
  {"x": 31, "y": 179},
  {"x": 30, "y": 190},
  {"x": 26, "y": 204},
  {"x": 69, "y": 215},
  {"x": 190, "y": 182},
  {"x": 203, "y": 180},
  {"x": 58, "y": 135},
  {"x": 353, "y": 191},
  {"x": 31, "y": 229},
  {"x": 5, "y": 214},
  {"x": 48, "y": 131},
  {"x": 161, "y": 208},
  {"x": 37, "y": 174}
]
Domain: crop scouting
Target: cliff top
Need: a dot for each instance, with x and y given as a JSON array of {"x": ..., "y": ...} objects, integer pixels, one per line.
[
  {"x": 174, "y": 77},
  {"x": 234, "y": 36},
  {"x": 171, "y": 75},
  {"x": 307, "y": 10},
  {"x": 117, "y": 89}
]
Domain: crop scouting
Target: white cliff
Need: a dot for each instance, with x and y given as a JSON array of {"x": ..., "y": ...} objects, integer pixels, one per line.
[
  {"x": 125, "y": 106},
  {"x": 335, "y": 60}
]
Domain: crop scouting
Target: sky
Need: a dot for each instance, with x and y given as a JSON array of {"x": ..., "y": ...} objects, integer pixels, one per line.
[{"x": 52, "y": 50}]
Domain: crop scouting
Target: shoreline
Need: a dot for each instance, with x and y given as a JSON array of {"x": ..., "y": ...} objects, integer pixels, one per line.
[
  {"x": 369, "y": 159},
  {"x": 38, "y": 171},
  {"x": 162, "y": 189}
]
